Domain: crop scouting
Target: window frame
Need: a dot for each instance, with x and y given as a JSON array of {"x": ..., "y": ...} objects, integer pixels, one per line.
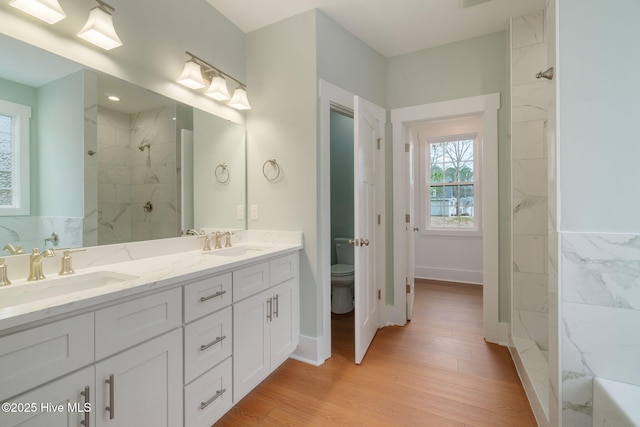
[
  {"x": 424, "y": 186},
  {"x": 21, "y": 115}
]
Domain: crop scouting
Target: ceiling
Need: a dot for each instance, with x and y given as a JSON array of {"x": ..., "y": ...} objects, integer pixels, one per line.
[{"x": 391, "y": 27}]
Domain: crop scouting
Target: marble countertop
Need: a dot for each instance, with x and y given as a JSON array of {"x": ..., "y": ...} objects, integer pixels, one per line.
[{"x": 157, "y": 270}]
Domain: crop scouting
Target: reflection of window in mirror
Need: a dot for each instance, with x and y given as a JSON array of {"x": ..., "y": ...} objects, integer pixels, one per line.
[{"x": 14, "y": 158}]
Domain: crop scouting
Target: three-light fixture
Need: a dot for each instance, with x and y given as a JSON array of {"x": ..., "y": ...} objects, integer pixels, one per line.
[
  {"x": 198, "y": 74},
  {"x": 98, "y": 29}
]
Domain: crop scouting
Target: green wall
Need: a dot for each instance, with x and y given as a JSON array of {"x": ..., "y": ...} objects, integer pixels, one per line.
[
  {"x": 342, "y": 134},
  {"x": 472, "y": 67}
]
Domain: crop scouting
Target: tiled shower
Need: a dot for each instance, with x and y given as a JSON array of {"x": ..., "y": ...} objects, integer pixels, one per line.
[{"x": 137, "y": 188}]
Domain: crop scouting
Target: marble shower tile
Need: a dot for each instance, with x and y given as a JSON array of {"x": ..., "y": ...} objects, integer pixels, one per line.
[
  {"x": 532, "y": 325},
  {"x": 526, "y": 62},
  {"x": 577, "y": 398},
  {"x": 528, "y": 140},
  {"x": 601, "y": 341},
  {"x": 529, "y": 254},
  {"x": 529, "y": 178},
  {"x": 529, "y": 102},
  {"x": 528, "y": 29},
  {"x": 530, "y": 292},
  {"x": 530, "y": 216},
  {"x": 601, "y": 269}
]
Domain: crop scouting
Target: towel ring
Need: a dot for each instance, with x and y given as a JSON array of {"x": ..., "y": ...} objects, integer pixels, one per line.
[
  {"x": 223, "y": 169},
  {"x": 275, "y": 166}
]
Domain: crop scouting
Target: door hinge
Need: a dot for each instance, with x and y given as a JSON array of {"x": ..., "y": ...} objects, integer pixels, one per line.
[
  {"x": 379, "y": 141},
  {"x": 379, "y": 294},
  {"x": 408, "y": 289},
  {"x": 379, "y": 219},
  {"x": 407, "y": 148},
  {"x": 407, "y": 218}
]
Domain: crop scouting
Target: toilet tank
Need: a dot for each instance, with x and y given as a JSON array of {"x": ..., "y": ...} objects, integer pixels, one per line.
[{"x": 344, "y": 251}]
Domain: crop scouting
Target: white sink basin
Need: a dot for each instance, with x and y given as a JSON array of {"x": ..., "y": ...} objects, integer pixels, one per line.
[
  {"x": 238, "y": 251},
  {"x": 22, "y": 293}
]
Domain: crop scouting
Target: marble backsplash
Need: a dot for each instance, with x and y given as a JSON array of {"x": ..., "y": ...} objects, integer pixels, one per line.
[
  {"x": 600, "y": 316},
  {"x": 30, "y": 232}
]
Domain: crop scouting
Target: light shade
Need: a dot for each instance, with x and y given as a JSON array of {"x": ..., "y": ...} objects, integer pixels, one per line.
[
  {"x": 218, "y": 89},
  {"x": 191, "y": 76},
  {"x": 99, "y": 29},
  {"x": 47, "y": 10},
  {"x": 239, "y": 100}
]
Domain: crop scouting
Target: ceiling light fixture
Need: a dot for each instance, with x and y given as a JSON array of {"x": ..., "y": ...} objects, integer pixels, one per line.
[
  {"x": 113, "y": 98},
  {"x": 99, "y": 27},
  {"x": 198, "y": 74},
  {"x": 47, "y": 10}
]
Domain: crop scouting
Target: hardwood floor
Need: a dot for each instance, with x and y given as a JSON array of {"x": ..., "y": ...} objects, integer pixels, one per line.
[{"x": 435, "y": 371}]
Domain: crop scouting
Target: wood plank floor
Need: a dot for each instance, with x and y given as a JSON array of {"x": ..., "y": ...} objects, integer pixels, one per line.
[{"x": 435, "y": 371}]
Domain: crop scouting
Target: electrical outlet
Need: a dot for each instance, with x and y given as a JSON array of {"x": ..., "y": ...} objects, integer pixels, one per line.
[
  {"x": 254, "y": 212},
  {"x": 240, "y": 212}
]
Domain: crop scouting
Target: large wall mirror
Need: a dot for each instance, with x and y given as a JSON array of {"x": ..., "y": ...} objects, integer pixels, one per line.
[{"x": 104, "y": 171}]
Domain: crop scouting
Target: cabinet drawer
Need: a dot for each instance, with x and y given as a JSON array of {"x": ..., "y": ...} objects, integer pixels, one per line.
[
  {"x": 209, "y": 397},
  {"x": 37, "y": 355},
  {"x": 132, "y": 322},
  {"x": 283, "y": 269},
  {"x": 249, "y": 281},
  {"x": 207, "y": 342},
  {"x": 206, "y": 296}
]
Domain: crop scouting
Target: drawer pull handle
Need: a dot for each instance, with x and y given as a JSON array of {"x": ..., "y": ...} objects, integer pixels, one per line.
[
  {"x": 211, "y": 344},
  {"x": 87, "y": 401},
  {"x": 111, "y": 408},
  {"x": 210, "y": 401},
  {"x": 216, "y": 295},
  {"x": 275, "y": 312}
]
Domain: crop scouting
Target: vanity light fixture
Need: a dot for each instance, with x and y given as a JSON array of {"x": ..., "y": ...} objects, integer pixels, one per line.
[
  {"x": 198, "y": 74},
  {"x": 47, "y": 10},
  {"x": 99, "y": 27}
]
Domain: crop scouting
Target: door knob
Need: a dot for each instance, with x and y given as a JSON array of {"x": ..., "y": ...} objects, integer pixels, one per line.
[
  {"x": 354, "y": 242},
  {"x": 364, "y": 242}
]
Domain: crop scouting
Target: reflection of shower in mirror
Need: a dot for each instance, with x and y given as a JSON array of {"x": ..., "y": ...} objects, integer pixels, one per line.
[{"x": 142, "y": 146}]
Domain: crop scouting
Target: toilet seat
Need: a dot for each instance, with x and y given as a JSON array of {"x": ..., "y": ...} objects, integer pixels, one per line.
[{"x": 341, "y": 270}]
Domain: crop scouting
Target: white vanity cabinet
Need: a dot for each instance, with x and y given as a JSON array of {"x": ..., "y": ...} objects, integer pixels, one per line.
[{"x": 266, "y": 327}]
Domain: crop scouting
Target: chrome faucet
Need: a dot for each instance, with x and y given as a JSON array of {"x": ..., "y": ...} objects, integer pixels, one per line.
[
  {"x": 13, "y": 250},
  {"x": 54, "y": 239},
  {"x": 35, "y": 263}
]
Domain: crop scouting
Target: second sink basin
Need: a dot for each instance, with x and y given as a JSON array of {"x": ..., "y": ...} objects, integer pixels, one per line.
[{"x": 17, "y": 294}]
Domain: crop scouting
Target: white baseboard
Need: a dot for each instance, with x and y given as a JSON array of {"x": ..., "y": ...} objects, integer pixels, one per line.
[
  {"x": 308, "y": 351},
  {"x": 449, "y": 275}
]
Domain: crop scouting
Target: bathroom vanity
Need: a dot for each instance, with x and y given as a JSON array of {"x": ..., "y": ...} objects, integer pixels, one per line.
[{"x": 167, "y": 340}]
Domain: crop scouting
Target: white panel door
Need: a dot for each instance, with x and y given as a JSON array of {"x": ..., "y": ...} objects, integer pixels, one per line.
[{"x": 369, "y": 122}]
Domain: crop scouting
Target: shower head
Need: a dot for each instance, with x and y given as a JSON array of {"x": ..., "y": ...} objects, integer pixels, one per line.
[{"x": 141, "y": 147}]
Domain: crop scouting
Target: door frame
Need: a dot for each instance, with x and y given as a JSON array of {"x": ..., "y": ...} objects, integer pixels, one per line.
[
  {"x": 401, "y": 118},
  {"x": 330, "y": 94}
]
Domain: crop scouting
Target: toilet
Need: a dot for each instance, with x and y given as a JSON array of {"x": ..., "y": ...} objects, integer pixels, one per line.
[{"x": 342, "y": 277}]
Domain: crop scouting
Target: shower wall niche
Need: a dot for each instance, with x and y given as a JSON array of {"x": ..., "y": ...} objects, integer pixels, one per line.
[{"x": 137, "y": 168}]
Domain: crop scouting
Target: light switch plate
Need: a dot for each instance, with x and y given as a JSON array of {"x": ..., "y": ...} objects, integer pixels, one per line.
[{"x": 254, "y": 212}]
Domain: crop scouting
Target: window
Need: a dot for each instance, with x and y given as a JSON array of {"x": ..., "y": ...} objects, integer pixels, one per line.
[
  {"x": 451, "y": 183},
  {"x": 14, "y": 158}
]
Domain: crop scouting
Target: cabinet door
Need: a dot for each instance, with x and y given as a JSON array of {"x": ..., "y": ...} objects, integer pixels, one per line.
[
  {"x": 285, "y": 323},
  {"x": 61, "y": 403},
  {"x": 146, "y": 387},
  {"x": 250, "y": 343}
]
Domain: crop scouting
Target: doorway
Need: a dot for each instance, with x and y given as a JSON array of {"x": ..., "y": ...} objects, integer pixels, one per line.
[{"x": 402, "y": 118}]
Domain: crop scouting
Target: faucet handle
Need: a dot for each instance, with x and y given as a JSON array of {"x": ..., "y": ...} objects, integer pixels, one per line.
[
  {"x": 65, "y": 265},
  {"x": 218, "y": 236},
  {"x": 4, "y": 279},
  {"x": 206, "y": 245},
  {"x": 227, "y": 241},
  {"x": 54, "y": 239}
]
